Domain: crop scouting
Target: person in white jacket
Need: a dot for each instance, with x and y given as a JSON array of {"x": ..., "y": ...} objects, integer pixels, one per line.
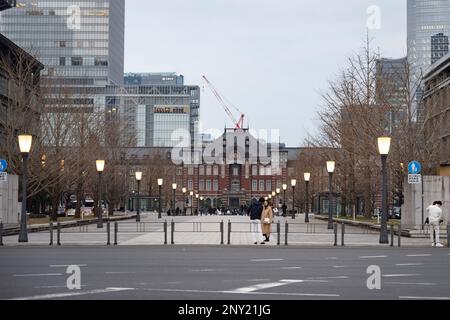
[{"x": 435, "y": 219}]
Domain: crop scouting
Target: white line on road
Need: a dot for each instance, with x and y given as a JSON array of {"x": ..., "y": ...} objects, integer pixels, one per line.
[
  {"x": 418, "y": 255},
  {"x": 261, "y": 286},
  {"x": 55, "y": 287},
  {"x": 331, "y": 258},
  {"x": 323, "y": 295},
  {"x": 66, "y": 265},
  {"x": 291, "y": 268},
  {"x": 408, "y": 264},
  {"x": 266, "y": 260},
  {"x": 337, "y": 267},
  {"x": 38, "y": 275},
  {"x": 401, "y": 275},
  {"x": 424, "y": 298},
  {"x": 412, "y": 283},
  {"x": 72, "y": 294},
  {"x": 207, "y": 270},
  {"x": 337, "y": 277},
  {"x": 372, "y": 257}
]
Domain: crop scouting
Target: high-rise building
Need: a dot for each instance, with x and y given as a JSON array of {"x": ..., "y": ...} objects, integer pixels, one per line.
[
  {"x": 425, "y": 19},
  {"x": 80, "y": 43},
  {"x": 439, "y": 47},
  {"x": 156, "y": 106}
]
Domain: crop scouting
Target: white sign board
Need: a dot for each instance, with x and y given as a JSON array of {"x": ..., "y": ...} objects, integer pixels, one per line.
[
  {"x": 3, "y": 177},
  {"x": 414, "y": 178}
]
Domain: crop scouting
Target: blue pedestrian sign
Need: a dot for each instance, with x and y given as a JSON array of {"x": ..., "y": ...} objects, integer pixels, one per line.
[
  {"x": 414, "y": 167},
  {"x": 3, "y": 165}
]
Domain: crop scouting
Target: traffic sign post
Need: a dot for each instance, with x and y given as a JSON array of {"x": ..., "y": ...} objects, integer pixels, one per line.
[{"x": 3, "y": 165}]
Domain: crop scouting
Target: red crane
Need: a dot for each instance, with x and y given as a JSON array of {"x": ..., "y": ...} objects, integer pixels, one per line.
[{"x": 239, "y": 124}]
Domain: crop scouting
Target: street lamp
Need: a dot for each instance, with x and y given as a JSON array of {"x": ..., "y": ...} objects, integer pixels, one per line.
[
  {"x": 285, "y": 186},
  {"x": 184, "y": 190},
  {"x": 100, "y": 168},
  {"x": 330, "y": 168},
  {"x": 293, "y": 184},
  {"x": 160, "y": 183},
  {"x": 197, "y": 196},
  {"x": 384, "y": 144},
  {"x": 307, "y": 177},
  {"x": 25, "y": 142},
  {"x": 174, "y": 188},
  {"x": 138, "y": 179},
  {"x": 191, "y": 193}
]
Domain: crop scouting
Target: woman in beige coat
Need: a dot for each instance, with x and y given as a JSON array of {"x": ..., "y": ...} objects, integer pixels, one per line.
[{"x": 266, "y": 220}]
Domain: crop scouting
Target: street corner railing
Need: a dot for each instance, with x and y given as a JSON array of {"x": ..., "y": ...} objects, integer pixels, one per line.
[{"x": 197, "y": 228}]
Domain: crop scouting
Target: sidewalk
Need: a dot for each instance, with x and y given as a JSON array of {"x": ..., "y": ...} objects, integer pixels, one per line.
[{"x": 206, "y": 230}]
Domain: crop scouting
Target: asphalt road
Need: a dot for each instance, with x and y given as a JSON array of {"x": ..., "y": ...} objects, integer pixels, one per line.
[{"x": 223, "y": 273}]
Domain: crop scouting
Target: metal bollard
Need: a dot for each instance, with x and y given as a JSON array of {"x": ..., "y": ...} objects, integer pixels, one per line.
[
  {"x": 221, "y": 232},
  {"x": 278, "y": 233},
  {"x": 51, "y": 233},
  {"x": 448, "y": 235},
  {"x": 1, "y": 234},
  {"x": 229, "y": 232},
  {"x": 165, "y": 231},
  {"x": 116, "y": 231},
  {"x": 172, "y": 232},
  {"x": 399, "y": 235},
  {"x": 343, "y": 234},
  {"x": 392, "y": 235},
  {"x": 335, "y": 234},
  {"x": 108, "y": 232},
  {"x": 58, "y": 234},
  {"x": 286, "y": 233}
]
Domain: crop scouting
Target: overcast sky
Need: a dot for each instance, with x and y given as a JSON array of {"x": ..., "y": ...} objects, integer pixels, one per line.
[{"x": 270, "y": 58}]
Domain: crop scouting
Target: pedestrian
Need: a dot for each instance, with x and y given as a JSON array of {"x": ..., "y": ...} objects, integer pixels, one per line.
[
  {"x": 255, "y": 211},
  {"x": 434, "y": 220},
  {"x": 266, "y": 220},
  {"x": 284, "y": 208}
]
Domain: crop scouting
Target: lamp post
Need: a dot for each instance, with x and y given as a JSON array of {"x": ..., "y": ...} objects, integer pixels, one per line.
[
  {"x": 384, "y": 144},
  {"x": 25, "y": 142},
  {"x": 100, "y": 168},
  {"x": 191, "y": 193},
  {"x": 184, "y": 190},
  {"x": 160, "y": 183},
  {"x": 285, "y": 186},
  {"x": 293, "y": 184},
  {"x": 174, "y": 189},
  {"x": 202, "y": 205},
  {"x": 138, "y": 179},
  {"x": 307, "y": 176},
  {"x": 330, "y": 168},
  {"x": 197, "y": 196}
]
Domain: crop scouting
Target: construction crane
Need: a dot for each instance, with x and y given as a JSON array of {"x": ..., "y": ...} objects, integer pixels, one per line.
[{"x": 239, "y": 124}]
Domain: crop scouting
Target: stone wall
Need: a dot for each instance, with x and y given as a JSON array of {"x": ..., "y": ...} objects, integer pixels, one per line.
[
  {"x": 9, "y": 205},
  {"x": 434, "y": 188}
]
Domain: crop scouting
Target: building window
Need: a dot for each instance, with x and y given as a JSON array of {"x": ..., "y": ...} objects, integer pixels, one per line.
[
  {"x": 216, "y": 185},
  {"x": 208, "y": 185},
  {"x": 190, "y": 185},
  {"x": 261, "y": 185},
  {"x": 254, "y": 185},
  {"x": 179, "y": 171},
  {"x": 77, "y": 61},
  {"x": 262, "y": 171},
  {"x": 254, "y": 170},
  {"x": 201, "y": 170},
  {"x": 268, "y": 185},
  {"x": 235, "y": 185},
  {"x": 235, "y": 171},
  {"x": 208, "y": 170},
  {"x": 201, "y": 185},
  {"x": 62, "y": 61},
  {"x": 62, "y": 44},
  {"x": 191, "y": 171},
  {"x": 216, "y": 170}
]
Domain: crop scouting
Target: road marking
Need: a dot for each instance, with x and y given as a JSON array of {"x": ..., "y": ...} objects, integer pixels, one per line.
[
  {"x": 323, "y": 295},
  {"x": 120, "y": 272},
  {"x": 66, "y": 265},
  {"x": 418, "y": 255},
  {"x": 266, "y": 260},
  {"x": 207, "y": 270},
  {"x": 291, "y": 268},
  {"x": 408, "y": 264},
  {"x": 401, "y": 275},
  {"x": 337, "y": 277},
  {"x": 38, "y": 275},
  {"x": 336, "y": 267},
  {"x": 72, "y": 294},
  {"x": 425, "y": 298},
  {"x": 261, "y": 286},
  {"x": 331, "y": 258},
  {"x": 372, "y": 257},
  {"x": 56, "y": 287},
  {"x": 412, "y": 283}
]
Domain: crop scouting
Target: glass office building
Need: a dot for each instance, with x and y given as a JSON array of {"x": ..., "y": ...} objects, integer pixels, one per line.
[
  {"x": 80, "y": 43},
  {"x": 426, "y": 20}
]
